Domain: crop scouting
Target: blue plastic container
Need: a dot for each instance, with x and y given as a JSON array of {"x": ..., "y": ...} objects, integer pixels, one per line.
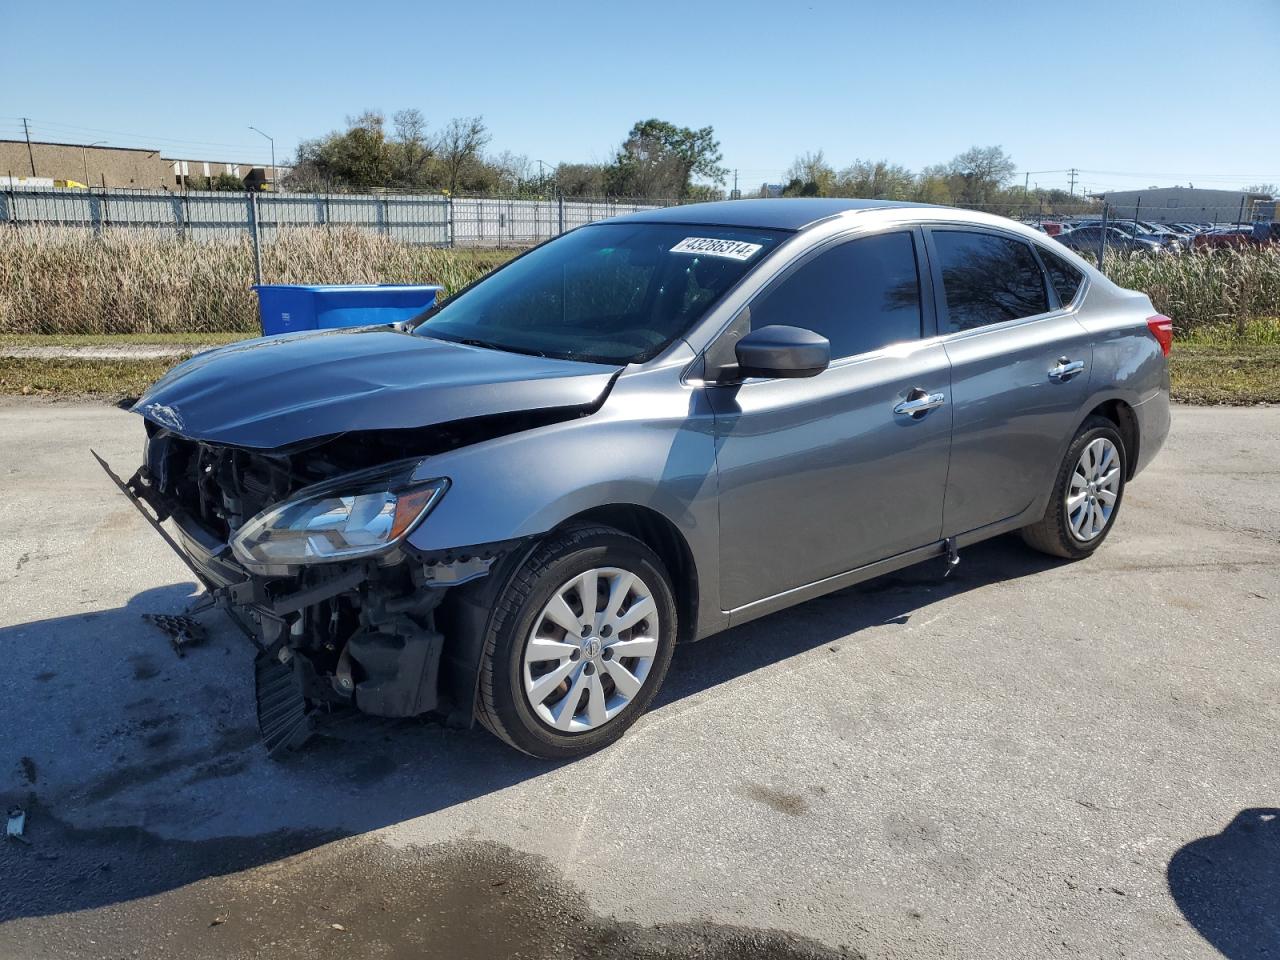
[{"x": 287, "y": 308}]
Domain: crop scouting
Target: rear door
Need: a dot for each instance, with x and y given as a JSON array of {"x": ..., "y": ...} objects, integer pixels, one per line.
[
  {"x": 819, "y": 476},
  {"x": 1019, "y": 369}
]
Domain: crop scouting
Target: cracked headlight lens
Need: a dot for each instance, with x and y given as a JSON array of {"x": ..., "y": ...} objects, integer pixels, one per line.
[{"x": 353, "y": 516}]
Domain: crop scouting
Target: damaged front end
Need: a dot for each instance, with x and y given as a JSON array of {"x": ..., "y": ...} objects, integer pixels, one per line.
[
  {"x": 292, "y": 471},
  {"x": 307, "y": 553}
]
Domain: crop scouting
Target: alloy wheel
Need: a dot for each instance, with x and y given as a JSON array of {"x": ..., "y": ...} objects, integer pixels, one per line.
[
  {"x": 590, "y": 649},
  {"x": 1094, "y": 489}
]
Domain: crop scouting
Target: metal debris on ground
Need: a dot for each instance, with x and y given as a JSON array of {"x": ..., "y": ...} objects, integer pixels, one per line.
[
  {"x": 183, "y": 631},
  {"x": 17, "y": 824}
]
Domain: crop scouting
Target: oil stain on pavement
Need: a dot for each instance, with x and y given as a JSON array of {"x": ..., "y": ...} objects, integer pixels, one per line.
[{"x": 355, "y": 897}]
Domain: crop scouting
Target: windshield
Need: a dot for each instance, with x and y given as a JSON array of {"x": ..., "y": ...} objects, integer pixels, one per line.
[{"x": 608, "y": 293}]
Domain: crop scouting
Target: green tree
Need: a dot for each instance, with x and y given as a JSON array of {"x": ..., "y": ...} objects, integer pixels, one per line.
[
  {"x": 458, "y": 150},
  {"x": 582, "y": 179},
  {"x": 356, "y": 159},
  {"x": 660, "y": 160},
  {"x": 933, "y": 185},
  {"x": 979, "y": 173},
  {"x": 875, "y": 179},
  {"x": 227, "y": 181},
  {"x": 410, "y": 152},
  {"x": 810, "y": 176}
]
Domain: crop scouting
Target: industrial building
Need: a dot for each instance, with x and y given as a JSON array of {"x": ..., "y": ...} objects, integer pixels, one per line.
[
  {"x": 42, "y": 164},
  {"x": 1183, "y": 205}
]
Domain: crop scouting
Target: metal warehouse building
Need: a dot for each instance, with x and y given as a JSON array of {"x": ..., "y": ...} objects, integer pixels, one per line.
[{"x": 1183, "y": 205}]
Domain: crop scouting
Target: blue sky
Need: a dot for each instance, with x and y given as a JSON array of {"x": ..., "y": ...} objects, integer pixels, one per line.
[{"x": 1131, "y": 93}]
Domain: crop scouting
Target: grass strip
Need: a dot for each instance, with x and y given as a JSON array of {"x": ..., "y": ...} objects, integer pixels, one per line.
[{"x": 1201, "y": 373}]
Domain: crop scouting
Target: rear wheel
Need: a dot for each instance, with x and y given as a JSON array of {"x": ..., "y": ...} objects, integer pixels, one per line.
[
  {"x": 578, "y": 645},
  {"x": 1086, "y": 494}
]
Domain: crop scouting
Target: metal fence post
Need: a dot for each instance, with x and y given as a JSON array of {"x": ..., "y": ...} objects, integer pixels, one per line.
[
  {"x": 104, "y": 212},
  {"x": 183, "y": 217},
  {"x": 257, "y": 242},
  {"x": 384, "y": 226},
  {"x": 11, "y": 205},
  {"x": 1102, "y": 239},
  {"x": 560, "y": 200},
  {"x": 449, "y": 238}
]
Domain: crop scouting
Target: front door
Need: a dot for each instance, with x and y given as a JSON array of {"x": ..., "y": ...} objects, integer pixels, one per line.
[{"x": 820, "y": 476}]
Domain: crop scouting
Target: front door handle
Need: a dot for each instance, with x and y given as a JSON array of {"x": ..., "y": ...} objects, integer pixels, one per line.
[
  {"x": 919, "y": 402},
  {"x": 1065, "y": 370}
]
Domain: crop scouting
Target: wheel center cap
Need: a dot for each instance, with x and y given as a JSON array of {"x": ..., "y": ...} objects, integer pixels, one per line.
[{"x": 591, "y": 648}]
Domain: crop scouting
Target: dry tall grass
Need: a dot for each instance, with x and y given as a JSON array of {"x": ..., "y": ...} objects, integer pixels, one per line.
[
  {"x": 1222, "y": 288},
  {"x": 63, "y": 281},
  {"x": 70, "y": 281}
]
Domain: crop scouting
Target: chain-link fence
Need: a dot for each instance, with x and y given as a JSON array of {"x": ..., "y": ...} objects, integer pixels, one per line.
[{"x": 421, "y": 219}]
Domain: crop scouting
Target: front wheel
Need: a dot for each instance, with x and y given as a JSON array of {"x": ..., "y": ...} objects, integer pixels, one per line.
[
  {"x": 578, "y": 643},
  {"x": 1086, "y": 494}
]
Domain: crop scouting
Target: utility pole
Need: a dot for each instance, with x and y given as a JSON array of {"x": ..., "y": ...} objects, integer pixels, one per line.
[
  {"x": 30, "y": 156},
  {"x": 1074, "y": 173},
  {"x": 735, "y": 193},
  {"x": 1026, "y": 183}
]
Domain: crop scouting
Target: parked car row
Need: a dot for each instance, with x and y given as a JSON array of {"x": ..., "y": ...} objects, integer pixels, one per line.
[{"x": 1143, "y": 237}]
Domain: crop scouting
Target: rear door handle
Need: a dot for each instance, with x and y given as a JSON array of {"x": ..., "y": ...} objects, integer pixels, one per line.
[
  {"x": 918, "y": 402},
  {"x": 1065, "y": 370}
]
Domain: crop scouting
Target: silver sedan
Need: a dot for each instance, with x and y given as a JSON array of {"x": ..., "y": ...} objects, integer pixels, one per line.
[{"x": 641, "y": 433}]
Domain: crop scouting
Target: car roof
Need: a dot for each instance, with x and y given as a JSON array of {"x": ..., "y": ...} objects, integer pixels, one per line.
[{"x": 774, "y": 214}]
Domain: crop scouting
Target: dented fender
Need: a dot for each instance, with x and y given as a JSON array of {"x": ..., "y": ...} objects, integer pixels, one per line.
[{"x": 648, "y": 446}]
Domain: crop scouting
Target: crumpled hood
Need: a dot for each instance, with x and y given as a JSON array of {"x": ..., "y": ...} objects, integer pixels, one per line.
[{"x": 280, "y": 390}]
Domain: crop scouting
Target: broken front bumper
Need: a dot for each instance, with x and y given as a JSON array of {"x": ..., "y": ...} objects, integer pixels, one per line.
[{"x": 358, "y": 634}]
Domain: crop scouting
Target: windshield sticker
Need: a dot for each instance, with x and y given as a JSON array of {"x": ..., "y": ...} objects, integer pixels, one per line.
[{"x": 711, "y": 247}]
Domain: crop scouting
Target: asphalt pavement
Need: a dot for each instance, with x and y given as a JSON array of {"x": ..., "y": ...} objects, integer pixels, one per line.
[{"x": 1033, "y": 758}]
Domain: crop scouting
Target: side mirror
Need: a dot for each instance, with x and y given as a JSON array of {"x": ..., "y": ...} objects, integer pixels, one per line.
[{"x": 778, "y": 351}]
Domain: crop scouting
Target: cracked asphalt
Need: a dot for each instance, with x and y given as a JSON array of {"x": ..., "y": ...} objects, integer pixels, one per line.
[{"x": 1031, "y": 759}]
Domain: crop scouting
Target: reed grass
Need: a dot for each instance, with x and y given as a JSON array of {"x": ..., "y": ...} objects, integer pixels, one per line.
[
  {"x": 1223, "y": 290},
  {"x": 55, "y": 281}
]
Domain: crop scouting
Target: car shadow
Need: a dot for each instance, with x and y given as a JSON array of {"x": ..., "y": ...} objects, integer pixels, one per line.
[
  {"x": 140, "y": 771},
  {"x": 1228, "y": 885}
]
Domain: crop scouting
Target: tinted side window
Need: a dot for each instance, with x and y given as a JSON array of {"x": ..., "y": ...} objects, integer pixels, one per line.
[
  {"x": 861, "y": 295},
  {"x": 1065, "y": 278},
  {"x": 988, "y": 279}
]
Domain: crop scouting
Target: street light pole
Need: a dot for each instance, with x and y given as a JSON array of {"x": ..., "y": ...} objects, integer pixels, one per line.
[
  {"x": 542, "y": 177},
  {"x": 84, "y": 155},
  {"x": 273, "y": 156}
]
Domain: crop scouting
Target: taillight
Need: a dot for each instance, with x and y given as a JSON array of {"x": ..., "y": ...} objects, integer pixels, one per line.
[{"x": 1161, "y": 328}]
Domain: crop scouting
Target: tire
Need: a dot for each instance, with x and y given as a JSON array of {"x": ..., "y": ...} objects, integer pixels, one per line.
[
  {"x": 1056, "y": 533},
  {"x": 514, "y": 706}
]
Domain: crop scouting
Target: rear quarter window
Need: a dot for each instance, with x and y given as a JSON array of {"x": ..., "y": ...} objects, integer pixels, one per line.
[{"x": 1065, "y": 278}]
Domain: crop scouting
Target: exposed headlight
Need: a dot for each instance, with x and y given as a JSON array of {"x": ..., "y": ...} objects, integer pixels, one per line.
[{"x": 356, "y": 515}]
